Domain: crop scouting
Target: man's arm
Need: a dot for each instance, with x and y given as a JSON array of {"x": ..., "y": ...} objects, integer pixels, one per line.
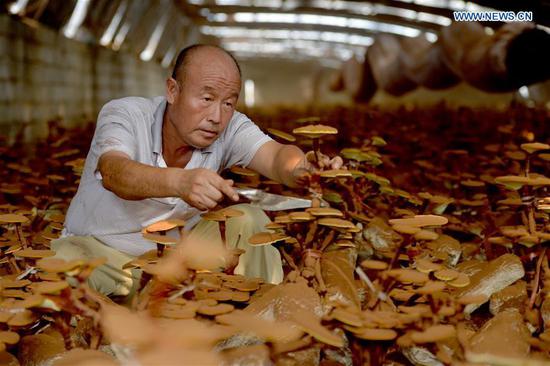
[
  {"x": 278, "y": 162},
  {"x": 287, "y": 163},
  {"x": 128, "y": 179}
]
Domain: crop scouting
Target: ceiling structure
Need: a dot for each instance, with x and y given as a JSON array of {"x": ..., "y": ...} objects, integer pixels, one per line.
[{"x": 327, "y": 30}]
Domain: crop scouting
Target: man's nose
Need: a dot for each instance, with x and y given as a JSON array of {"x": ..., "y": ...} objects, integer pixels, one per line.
[{"x": 216, "y": 113}]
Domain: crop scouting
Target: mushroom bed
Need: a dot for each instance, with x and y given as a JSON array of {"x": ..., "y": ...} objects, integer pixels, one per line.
[{"x": 429, "y": 248}]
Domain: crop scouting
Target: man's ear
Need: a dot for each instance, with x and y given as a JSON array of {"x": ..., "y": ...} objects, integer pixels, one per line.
[{"x": 172, "y": 90}]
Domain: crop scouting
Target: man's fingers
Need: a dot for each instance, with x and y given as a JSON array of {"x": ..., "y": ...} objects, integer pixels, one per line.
[
  {"x": 213, "y": 193},
  {"x": 208, "y": 202},
  {"x": 223, "y": 186},
  {"x": 336, "y": 163},
  {"x": 227, "y": 189}
]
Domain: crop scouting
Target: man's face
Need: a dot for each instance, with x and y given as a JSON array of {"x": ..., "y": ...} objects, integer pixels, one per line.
[{"x": 203, "y": 103}]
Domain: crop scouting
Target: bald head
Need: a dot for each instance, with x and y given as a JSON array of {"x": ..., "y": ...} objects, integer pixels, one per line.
[{"x": 198, "y": 54}]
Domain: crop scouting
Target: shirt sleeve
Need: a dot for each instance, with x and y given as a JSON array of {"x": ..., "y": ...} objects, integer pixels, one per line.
[
  {"x": 114, "y": 132},
  {"x": 243, "y": 139}
]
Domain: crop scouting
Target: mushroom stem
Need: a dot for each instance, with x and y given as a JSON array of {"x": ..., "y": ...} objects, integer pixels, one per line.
[
  {"x": 535, "y": 286},
  {"x": 319, "y": 276},
  {"x": 222, "y": 233},
  {"x": 160, "y": 247},
  {"x": 310, "y": 234},
  {"x": 433, "y": 306},
  {"x": 353, "y": 197},
  {"x": 406, "y": 241},
  {"x": 13, "y": 265},
  {"x": 328, "y": 240},
  {"x": 289, "y": 259},
  {"x": 20, "y": 236},
  {"x": 62, "y": 320},
  {"x": 531, "y": 219},
  {"x": 160, "y": 250},
  {"x": 316, "y": 149}
]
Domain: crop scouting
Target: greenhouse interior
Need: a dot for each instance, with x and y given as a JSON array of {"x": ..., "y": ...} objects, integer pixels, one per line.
[{"x": 336, "y": 183}]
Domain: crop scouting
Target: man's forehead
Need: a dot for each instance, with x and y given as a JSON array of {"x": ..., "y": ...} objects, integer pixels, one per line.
[{"x": 231, "y": 90}]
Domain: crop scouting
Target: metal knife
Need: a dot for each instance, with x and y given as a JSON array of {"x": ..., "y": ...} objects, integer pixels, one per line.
[{"x": 272, "y": 202}]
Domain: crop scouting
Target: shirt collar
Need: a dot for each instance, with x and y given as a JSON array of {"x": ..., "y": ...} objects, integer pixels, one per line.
[{"x": 156, "y": 130}]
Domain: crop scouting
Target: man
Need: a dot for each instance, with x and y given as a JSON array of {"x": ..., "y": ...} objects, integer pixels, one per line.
[{"x": 156, "y": 159}]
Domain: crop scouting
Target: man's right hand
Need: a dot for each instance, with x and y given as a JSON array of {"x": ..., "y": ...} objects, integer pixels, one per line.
[{"x": 203, "y": 188}]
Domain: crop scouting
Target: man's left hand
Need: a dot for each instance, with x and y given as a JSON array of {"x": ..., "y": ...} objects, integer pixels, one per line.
[{"x": 308, "y": 165}]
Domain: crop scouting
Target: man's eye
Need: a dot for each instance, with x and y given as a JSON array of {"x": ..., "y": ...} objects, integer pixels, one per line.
[
  {"x": 228, "y": 104},
  {"x": 208, "y": 99}
]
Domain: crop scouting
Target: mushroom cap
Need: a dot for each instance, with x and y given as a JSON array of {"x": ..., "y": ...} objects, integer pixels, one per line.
[
  {"x": 216, "y": 216},
  {"x": 406, "y": 229},
  {"x": 531, "y": 147},
  {"x": 472, "y": 183},
  {"x": 229, "y": 212},
  {"x": 34, "y": 253},
  {"x": 266, "y": 238},
  {"x": 164, "y": 225},
  {"x": 515, "y": 182},
  {"x": 214, "y": 310},
  {"x": 345, "y": 244},
  {"x": 48, "y": 287},
  {"x": 347, "y": 317},
  {"x": 461, "y": 281},
  {"x": 300, "y": 216},
  {"x": 274, "y": 226},
  {"x": 283, "y": 219},
  {"x": 473, "y": 299},
  {"x": 446, "y": 274},
  {"x": 360, "y": 217},
  {"x": 426, "y": 235},
  {"x": 335, "y": 173},
  {"x": 9, "y": 283},
  {"x": 356, "y": 154},
  {"x": 324, "y": 211},
  {"x": 425, "y": 266},
  {"x": 431, "y": 287},
  {"x": 23, "y": 318},
  {"x": 281, "y": 134},
  {"x": 421, "y": 220},
  {"x": 408, "y": 275},
  {"x": 516, "y": 155},
  {"x": 160, "y": 239},
  {"x": 345, "y": 236},
  {"x": 336, "y": 223},
  {"x": 315, "y": 131},
  {"x": 374, "y": 264},
  {"x": 8, "y": 337},
  {"x": 434, "y": 333},
  {"x": 13, "y": 219}
]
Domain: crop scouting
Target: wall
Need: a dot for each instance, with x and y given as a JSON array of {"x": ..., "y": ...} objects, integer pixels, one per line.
[
  {"x": 306, "y": 83},
  {"x": 287, "y": 82},
  {"x": 44, "y": 76}
]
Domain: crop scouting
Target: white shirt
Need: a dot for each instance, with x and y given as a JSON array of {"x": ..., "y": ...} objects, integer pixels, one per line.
[{"x": 133, "y": 125}]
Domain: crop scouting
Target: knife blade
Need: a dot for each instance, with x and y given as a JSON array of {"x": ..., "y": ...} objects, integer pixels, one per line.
[{"x": 272, "y": 202}]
